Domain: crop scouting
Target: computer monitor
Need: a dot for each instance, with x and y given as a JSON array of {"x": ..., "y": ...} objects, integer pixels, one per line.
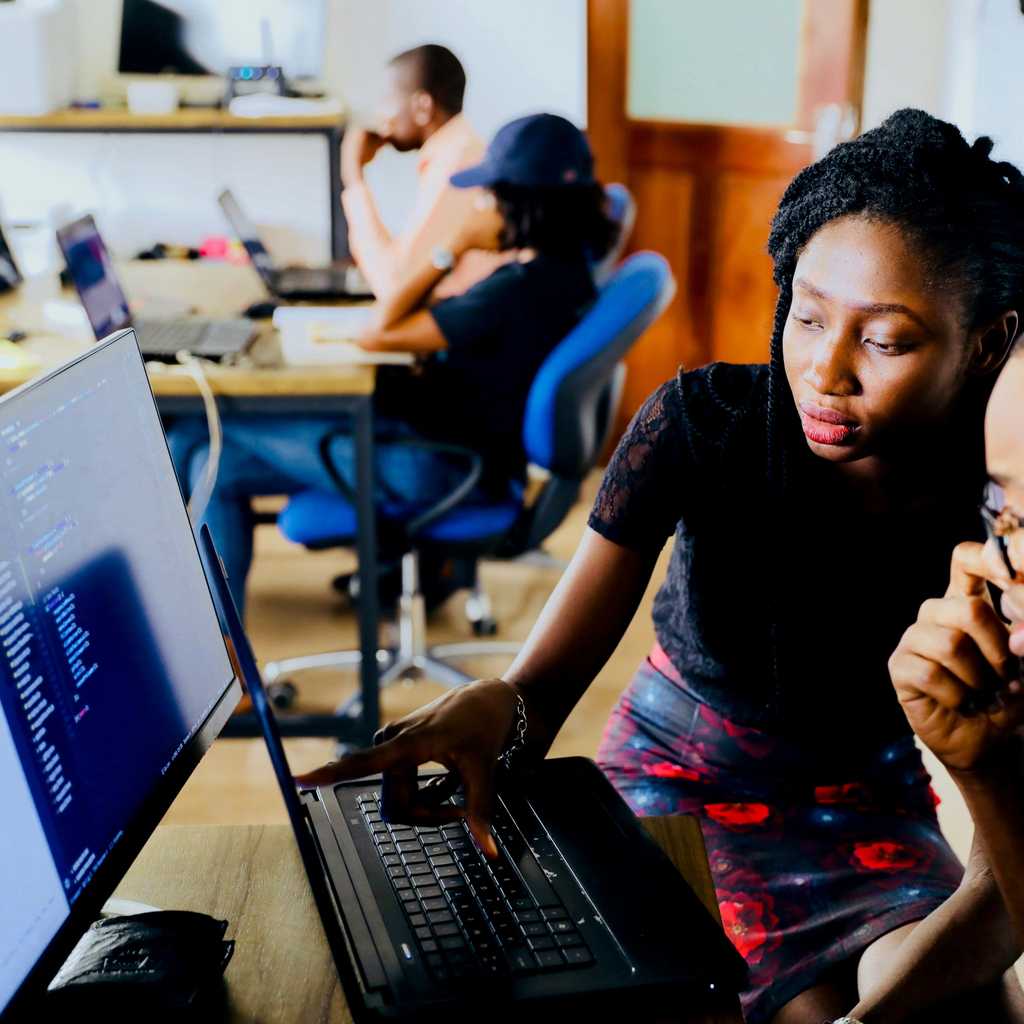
[
  {"x": 207, "y": 37},
  {"x": 114, "y": 674},
  {"x": 92, "y": 273}
]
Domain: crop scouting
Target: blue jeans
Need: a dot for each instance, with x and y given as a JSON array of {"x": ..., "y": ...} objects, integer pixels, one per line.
[{"x": 263, "y": 456}]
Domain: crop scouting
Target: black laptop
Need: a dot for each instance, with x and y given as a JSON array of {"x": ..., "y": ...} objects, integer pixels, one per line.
[
  {"x": 338, "y": 281},
  {"x": 114, "y": 678},
  {"x": 106, "y": 305},
  {"x": 580, "y": 909}
]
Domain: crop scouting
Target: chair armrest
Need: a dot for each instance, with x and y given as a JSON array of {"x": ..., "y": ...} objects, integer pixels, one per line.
[
  {"x": 474, "y": 470},
  {"x": 332, "y": 471}
]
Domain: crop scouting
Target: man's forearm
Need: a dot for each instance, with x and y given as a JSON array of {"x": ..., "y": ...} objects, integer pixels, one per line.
[
  {"x": 964, "y": 945},
  {"x": 409, "y": 295},
  {"x": 995, "y": 799},
  {"x": 370, "y": 241}
]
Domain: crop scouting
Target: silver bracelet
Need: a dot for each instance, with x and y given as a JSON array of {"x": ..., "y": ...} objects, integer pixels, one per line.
[
  {"x": 519, "y": 730},
  {"x": 847, "y": 1020}
]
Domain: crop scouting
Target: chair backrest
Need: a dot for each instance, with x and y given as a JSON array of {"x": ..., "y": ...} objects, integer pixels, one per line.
[
  {"x": 621, "y": 208},
  {"x": 566, "y": 410}
]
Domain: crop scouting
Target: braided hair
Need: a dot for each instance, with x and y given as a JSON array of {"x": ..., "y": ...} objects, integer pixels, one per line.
[
  {"x": 964, "y": 209},
  {"x": 965, "y": 212}
]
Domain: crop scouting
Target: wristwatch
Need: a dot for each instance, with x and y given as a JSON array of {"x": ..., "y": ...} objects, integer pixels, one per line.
[{"x": 442, "y": 258}]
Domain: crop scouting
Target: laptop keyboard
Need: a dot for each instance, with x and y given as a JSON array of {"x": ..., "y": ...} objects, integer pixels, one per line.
[
  {"x": 201, "y": 337},
  {"x": 473, "y": 918}
]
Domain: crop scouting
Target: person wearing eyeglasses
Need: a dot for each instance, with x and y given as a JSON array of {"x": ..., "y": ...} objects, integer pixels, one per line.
[
  {"x": 957, "y": 672},
  {"x": 814, "y": 502}
]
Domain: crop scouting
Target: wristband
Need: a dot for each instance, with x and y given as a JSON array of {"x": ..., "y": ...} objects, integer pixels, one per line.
[{"x": 518, "y": 730}]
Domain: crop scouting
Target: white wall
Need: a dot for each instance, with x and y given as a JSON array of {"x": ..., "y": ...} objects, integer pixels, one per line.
[
  {"x": 520, "y": 57},
  {"x": 906, "y": 61}
]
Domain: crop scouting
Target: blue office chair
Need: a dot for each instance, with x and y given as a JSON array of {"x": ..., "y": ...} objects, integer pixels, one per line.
[
  {"x": 621, "y": 208},
  {"x": 570, "y": 413}
]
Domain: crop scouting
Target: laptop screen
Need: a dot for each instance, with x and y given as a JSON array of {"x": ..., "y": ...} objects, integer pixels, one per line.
[
  {"x": 92, "y": 272},
  {"x": 111, "y": 654},
  {"x": 246, "y": 233},
  {"x": 10, "y": 276}
]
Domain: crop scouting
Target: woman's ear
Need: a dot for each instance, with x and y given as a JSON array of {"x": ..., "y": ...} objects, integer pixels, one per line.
[{"x": 991, "y": 345}]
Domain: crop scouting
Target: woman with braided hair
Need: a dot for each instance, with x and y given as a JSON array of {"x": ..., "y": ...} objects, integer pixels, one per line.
[{"x": 814, "y": 501}]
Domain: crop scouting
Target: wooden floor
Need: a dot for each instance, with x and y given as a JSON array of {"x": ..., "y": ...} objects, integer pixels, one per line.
[{"x": 293, "y": 610}]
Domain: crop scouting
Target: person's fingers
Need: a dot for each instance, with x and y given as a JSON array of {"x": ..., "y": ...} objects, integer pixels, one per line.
[
  {"x": 386, "y": 732},
  {"x": 978, "y": 619},
  {"x": 398, "y": 791},
  {"x": 478, "y": 780},
  {"x": 995, "y": 567},
  {"x": 353, "y": 766},
  {"x": 439, "y": 788},
  {"x": 918, "y": 678},
  {"x": 1009, "y": 710},
  {"x": 425, "y": 805},
  {"x": 970, "y": 569},
  {"x": 955, "y": 651}
]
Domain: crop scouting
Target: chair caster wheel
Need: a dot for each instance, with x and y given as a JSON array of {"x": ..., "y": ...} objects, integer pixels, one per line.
[
  {"x": 485, "y": 627},
  {"x": 282, "y": 695}
]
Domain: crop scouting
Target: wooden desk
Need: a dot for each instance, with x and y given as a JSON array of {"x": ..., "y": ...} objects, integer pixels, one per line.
[
  {"x": 282, "y": 969},
  {"x": 207, "y": 287},
  {"x": 210, "y": 121},
  {"x": 261, "y": 386}
]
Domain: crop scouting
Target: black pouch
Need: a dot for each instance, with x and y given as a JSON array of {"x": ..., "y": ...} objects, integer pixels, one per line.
[{"x": 161, "y": 964}]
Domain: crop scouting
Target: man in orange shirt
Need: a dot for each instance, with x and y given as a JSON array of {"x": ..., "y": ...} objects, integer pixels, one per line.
[{"x": 422, "y": 110}]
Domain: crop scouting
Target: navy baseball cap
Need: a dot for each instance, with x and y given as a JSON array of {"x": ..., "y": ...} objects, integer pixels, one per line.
[{"x": 539, "y": 151}]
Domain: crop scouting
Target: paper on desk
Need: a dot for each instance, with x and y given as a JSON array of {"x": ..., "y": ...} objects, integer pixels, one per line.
[
  {"x": 322, "y": 336},
  {"x": 14, "y": 357},
  {"x": 269, "y": 105}
]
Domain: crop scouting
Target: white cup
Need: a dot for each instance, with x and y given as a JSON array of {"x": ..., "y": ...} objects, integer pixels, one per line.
[{"x": 152, "y": 97}]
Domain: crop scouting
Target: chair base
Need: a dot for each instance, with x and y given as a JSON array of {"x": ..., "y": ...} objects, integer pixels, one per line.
[{"x": 412, "y": 658}]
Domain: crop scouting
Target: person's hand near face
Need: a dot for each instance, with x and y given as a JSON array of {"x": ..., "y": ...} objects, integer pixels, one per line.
[
  {"x": 955, "y": 672},
  {"x": 358, "y": 147}
]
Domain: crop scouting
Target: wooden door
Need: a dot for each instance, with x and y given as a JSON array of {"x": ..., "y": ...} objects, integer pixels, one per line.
[{"x": 706, "y": 192}]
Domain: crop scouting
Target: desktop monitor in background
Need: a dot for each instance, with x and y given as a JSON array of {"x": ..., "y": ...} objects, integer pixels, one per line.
[
  {"x": 114, "y": 677},
  {"x": 92, "y": 272},
  {"x": 206, "y": 37}
]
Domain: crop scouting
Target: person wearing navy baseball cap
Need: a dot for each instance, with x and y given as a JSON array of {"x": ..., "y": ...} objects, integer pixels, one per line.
[
  {"x": 541, "y": 151},
  {"x": 538, "y": 204},
  {"x": 539, "y": 208}
]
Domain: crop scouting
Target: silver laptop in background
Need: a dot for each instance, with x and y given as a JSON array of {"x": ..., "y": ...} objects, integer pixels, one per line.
[
  {"x": 106, "y": 304},
  {"x": 337, "y": 281}
]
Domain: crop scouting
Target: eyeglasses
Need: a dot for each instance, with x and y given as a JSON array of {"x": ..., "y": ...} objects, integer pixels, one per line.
[{"x": 1000, "y": 522}]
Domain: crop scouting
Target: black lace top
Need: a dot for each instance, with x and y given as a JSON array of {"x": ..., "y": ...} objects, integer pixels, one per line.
[{"x": 780, "y": 618}]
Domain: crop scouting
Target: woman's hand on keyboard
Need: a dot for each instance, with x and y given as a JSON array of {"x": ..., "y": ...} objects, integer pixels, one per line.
[{"x": 465, "y": 730}]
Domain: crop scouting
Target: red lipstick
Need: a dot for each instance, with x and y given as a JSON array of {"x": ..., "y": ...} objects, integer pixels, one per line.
[{"x": 826, "y": 426}]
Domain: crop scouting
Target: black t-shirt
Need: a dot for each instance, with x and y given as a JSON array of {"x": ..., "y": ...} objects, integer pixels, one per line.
[
  {"x": 499, "y": 332},
  {"x": 779, "y": 621}
]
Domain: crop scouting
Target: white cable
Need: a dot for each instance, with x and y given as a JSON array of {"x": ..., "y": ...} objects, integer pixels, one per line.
[{"x": 200, "y": 497}]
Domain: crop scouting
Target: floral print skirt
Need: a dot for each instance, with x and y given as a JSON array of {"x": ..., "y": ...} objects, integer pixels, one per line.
[{"x": 809, "y": 868}]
